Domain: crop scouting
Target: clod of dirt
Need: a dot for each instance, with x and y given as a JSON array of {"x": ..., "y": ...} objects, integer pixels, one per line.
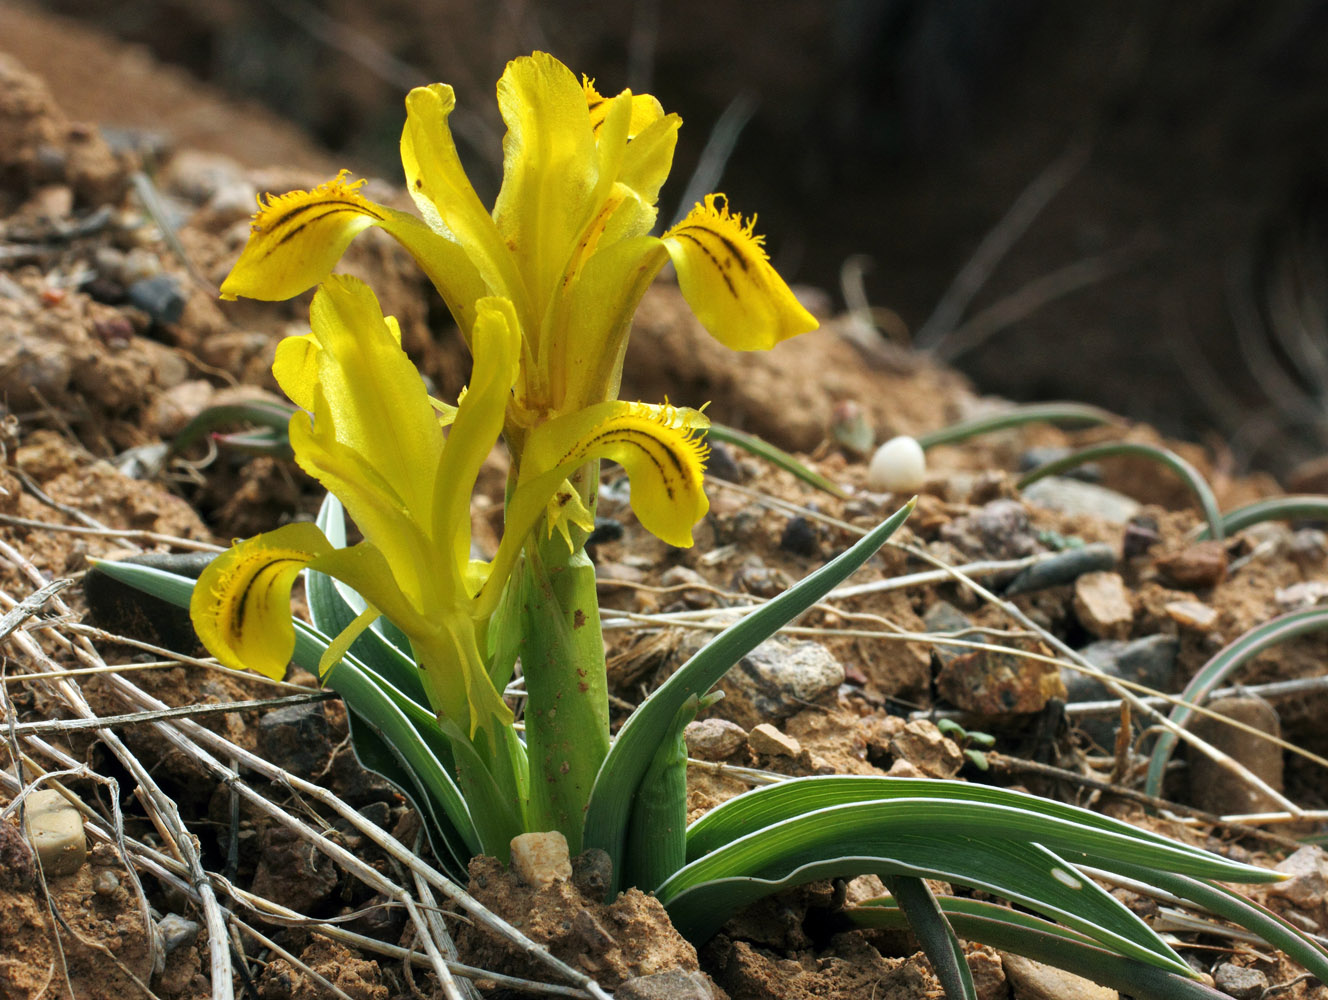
[
  {"x": 850, "y": 968},
  {"x": 1197, "y": 567},
  {"x": 18, "y": 868},
  {"x": 358, "y": 978},
  {"x": 613, "y": 942}
]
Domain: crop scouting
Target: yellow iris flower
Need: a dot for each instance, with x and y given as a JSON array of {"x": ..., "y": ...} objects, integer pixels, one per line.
[
  {"x": 567, "y": 245},
  {"x": 374, "y": 438}
]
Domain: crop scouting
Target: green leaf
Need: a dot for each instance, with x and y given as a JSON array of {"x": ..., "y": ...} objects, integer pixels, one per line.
[
  {"x": 1051, "y": 413},
  {"x": 1002, "y": 811},
  {"x": 938, "y": 939},
  {"x": 913, "y": 839},
  {"x": 1041, "y": 940},
  {"x": 620, "y": 776},
  {"x": 1203, "y": 493},
  {"x": 1222, "y": 665},
  {"x": 775, "y": 456},
  {"x": 657, "y": 829},
  {"x": 1288, "y": 508}
]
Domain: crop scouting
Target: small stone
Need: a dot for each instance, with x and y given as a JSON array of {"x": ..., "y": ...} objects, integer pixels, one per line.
[
  {"x": 105, "y": 882},
  {"x": 1035, "y": 981},
  {"x": 721, "y": 465},
  {"x": 1193, "y": 615},
  {"x": 1141, "y": 534},
  {"x": 766, "y": 739},
  {"x": 998, "y": 530},
  {"x": 592, "y": 873},
  {"x": 56, "y": 830},
  {"x": 540, "y": 859},
  {"x": 675, "y": 984},
  {"x": 176, "y": 930},
  {"x": 776, "y": 680},
  {"x": 1200, "y": 566},
  {"x": 800, "y": 538},
  {"x": 1215, "y": 789},
  {"x": 1308, "y": 884},
  {"x": 1238, "y": 982},
  {"x": 1102, "y": 605},
  {"x": 1308, "y": 548},
  {"x": 898, "y": 466},
  {"x": 1300, "y": 596},
  {"x": 924, "y": 746},
  {"x": 945, "y": 617},
  {"x": 1150, "y": 661},
  {"x": 1062, "y": 568},
  {"x": 714, "y": 739},
  {"x": 989, "y": 682},
  {"x": 171, "y": 410},
  {"x": 162, "y": 297},
  {"x": 699, "y": 595},
  {"x": 1069, "y": 496},
  {"x": 754, "y": 577}
]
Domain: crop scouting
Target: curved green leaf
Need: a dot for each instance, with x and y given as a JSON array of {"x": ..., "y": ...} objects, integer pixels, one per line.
[
  {"x": 1222, "y": 665},
  {"x": 1024, "y": 934},
  {"x": 999, "y": 811},
  {"x": 1203, "y": 493},
  {"x": 1288, "y": 508},
  {"x": 1051, "y": 413},
  {"x": 619, "y": 778}
]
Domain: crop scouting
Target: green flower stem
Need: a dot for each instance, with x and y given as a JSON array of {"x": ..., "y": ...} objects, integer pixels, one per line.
[{"x": 567, "y": 702}]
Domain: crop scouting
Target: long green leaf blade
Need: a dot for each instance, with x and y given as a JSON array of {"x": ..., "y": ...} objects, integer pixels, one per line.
[
  {"x": 620, "y": 775},
  {"x": 984, "y": 804}
]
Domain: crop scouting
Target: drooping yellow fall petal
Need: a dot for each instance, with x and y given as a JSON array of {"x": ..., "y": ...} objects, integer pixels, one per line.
[
  {"x": 727, "y": 279},
  {"x": 296, "y": 239},
  {"x": 659, "y": 446},
  {"x": 241, "y": 603}
]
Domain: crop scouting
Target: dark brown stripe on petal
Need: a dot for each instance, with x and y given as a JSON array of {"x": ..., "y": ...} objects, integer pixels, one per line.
[{"x": 713, "y": 259}]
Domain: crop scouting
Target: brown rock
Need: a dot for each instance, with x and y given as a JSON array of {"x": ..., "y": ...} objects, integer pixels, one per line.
[
  {"x": 766, "y": 739},
  {"x": 1102, "y": 605},
  {"x": 1199, "y": 566},
  {"x": 1035, "y": 981},
  {"x": 992, "y": 683},
  {"x": 714, "y": 739},
  {"x": 928, "y": 749},
  {"x": 1215, "y": 789},
  {"x": 1191, "y": 615}
]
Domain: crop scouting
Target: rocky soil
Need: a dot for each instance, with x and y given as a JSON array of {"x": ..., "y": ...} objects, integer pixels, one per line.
[{"x": 112, "y": 340}]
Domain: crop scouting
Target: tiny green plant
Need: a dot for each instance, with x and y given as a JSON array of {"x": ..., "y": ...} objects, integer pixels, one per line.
[{"x": 420, "y": 639}]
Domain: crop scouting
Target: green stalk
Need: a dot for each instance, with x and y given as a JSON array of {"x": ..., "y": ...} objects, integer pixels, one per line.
[{"x": 567, "y": 702}]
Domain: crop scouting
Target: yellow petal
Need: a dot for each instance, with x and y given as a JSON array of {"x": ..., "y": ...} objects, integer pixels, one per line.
[
  {"x": 480, "y": 414},
  {"x": 727, "y": 279},
  {"x": 549, "y": 169},
  {"x": 444, "y": 195},
  {"x": 659, "y": 447},
  {"x": 296, "y": 240},
  {"x": 645, "y": 110},
  {"x": 241, "y": 603},
  {"x": 296, "y": 368}
]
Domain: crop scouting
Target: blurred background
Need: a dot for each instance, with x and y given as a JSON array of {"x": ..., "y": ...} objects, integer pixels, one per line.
[{"x": 1125, "y": 204}]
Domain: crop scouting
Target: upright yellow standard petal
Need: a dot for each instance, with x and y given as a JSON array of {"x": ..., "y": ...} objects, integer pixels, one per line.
[
  {"x": 728, "y": 281},
  {"x": 479, "y": 420},
  {"x": 241, "y": 603},
  {"x": 444, "y": 195},
  {"x": 549, "y": 170}
]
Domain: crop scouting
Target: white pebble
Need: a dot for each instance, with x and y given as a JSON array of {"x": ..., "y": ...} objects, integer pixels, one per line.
[{"x": 898, "y": 466}]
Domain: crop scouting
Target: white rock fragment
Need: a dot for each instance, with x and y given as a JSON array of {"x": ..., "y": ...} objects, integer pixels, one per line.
[
  {"x": 540, "y": 859},
  {"x": 899, "y": 466},
  {"x": 1102, "y": 605},
  {"x": 56, "y": 830}
]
